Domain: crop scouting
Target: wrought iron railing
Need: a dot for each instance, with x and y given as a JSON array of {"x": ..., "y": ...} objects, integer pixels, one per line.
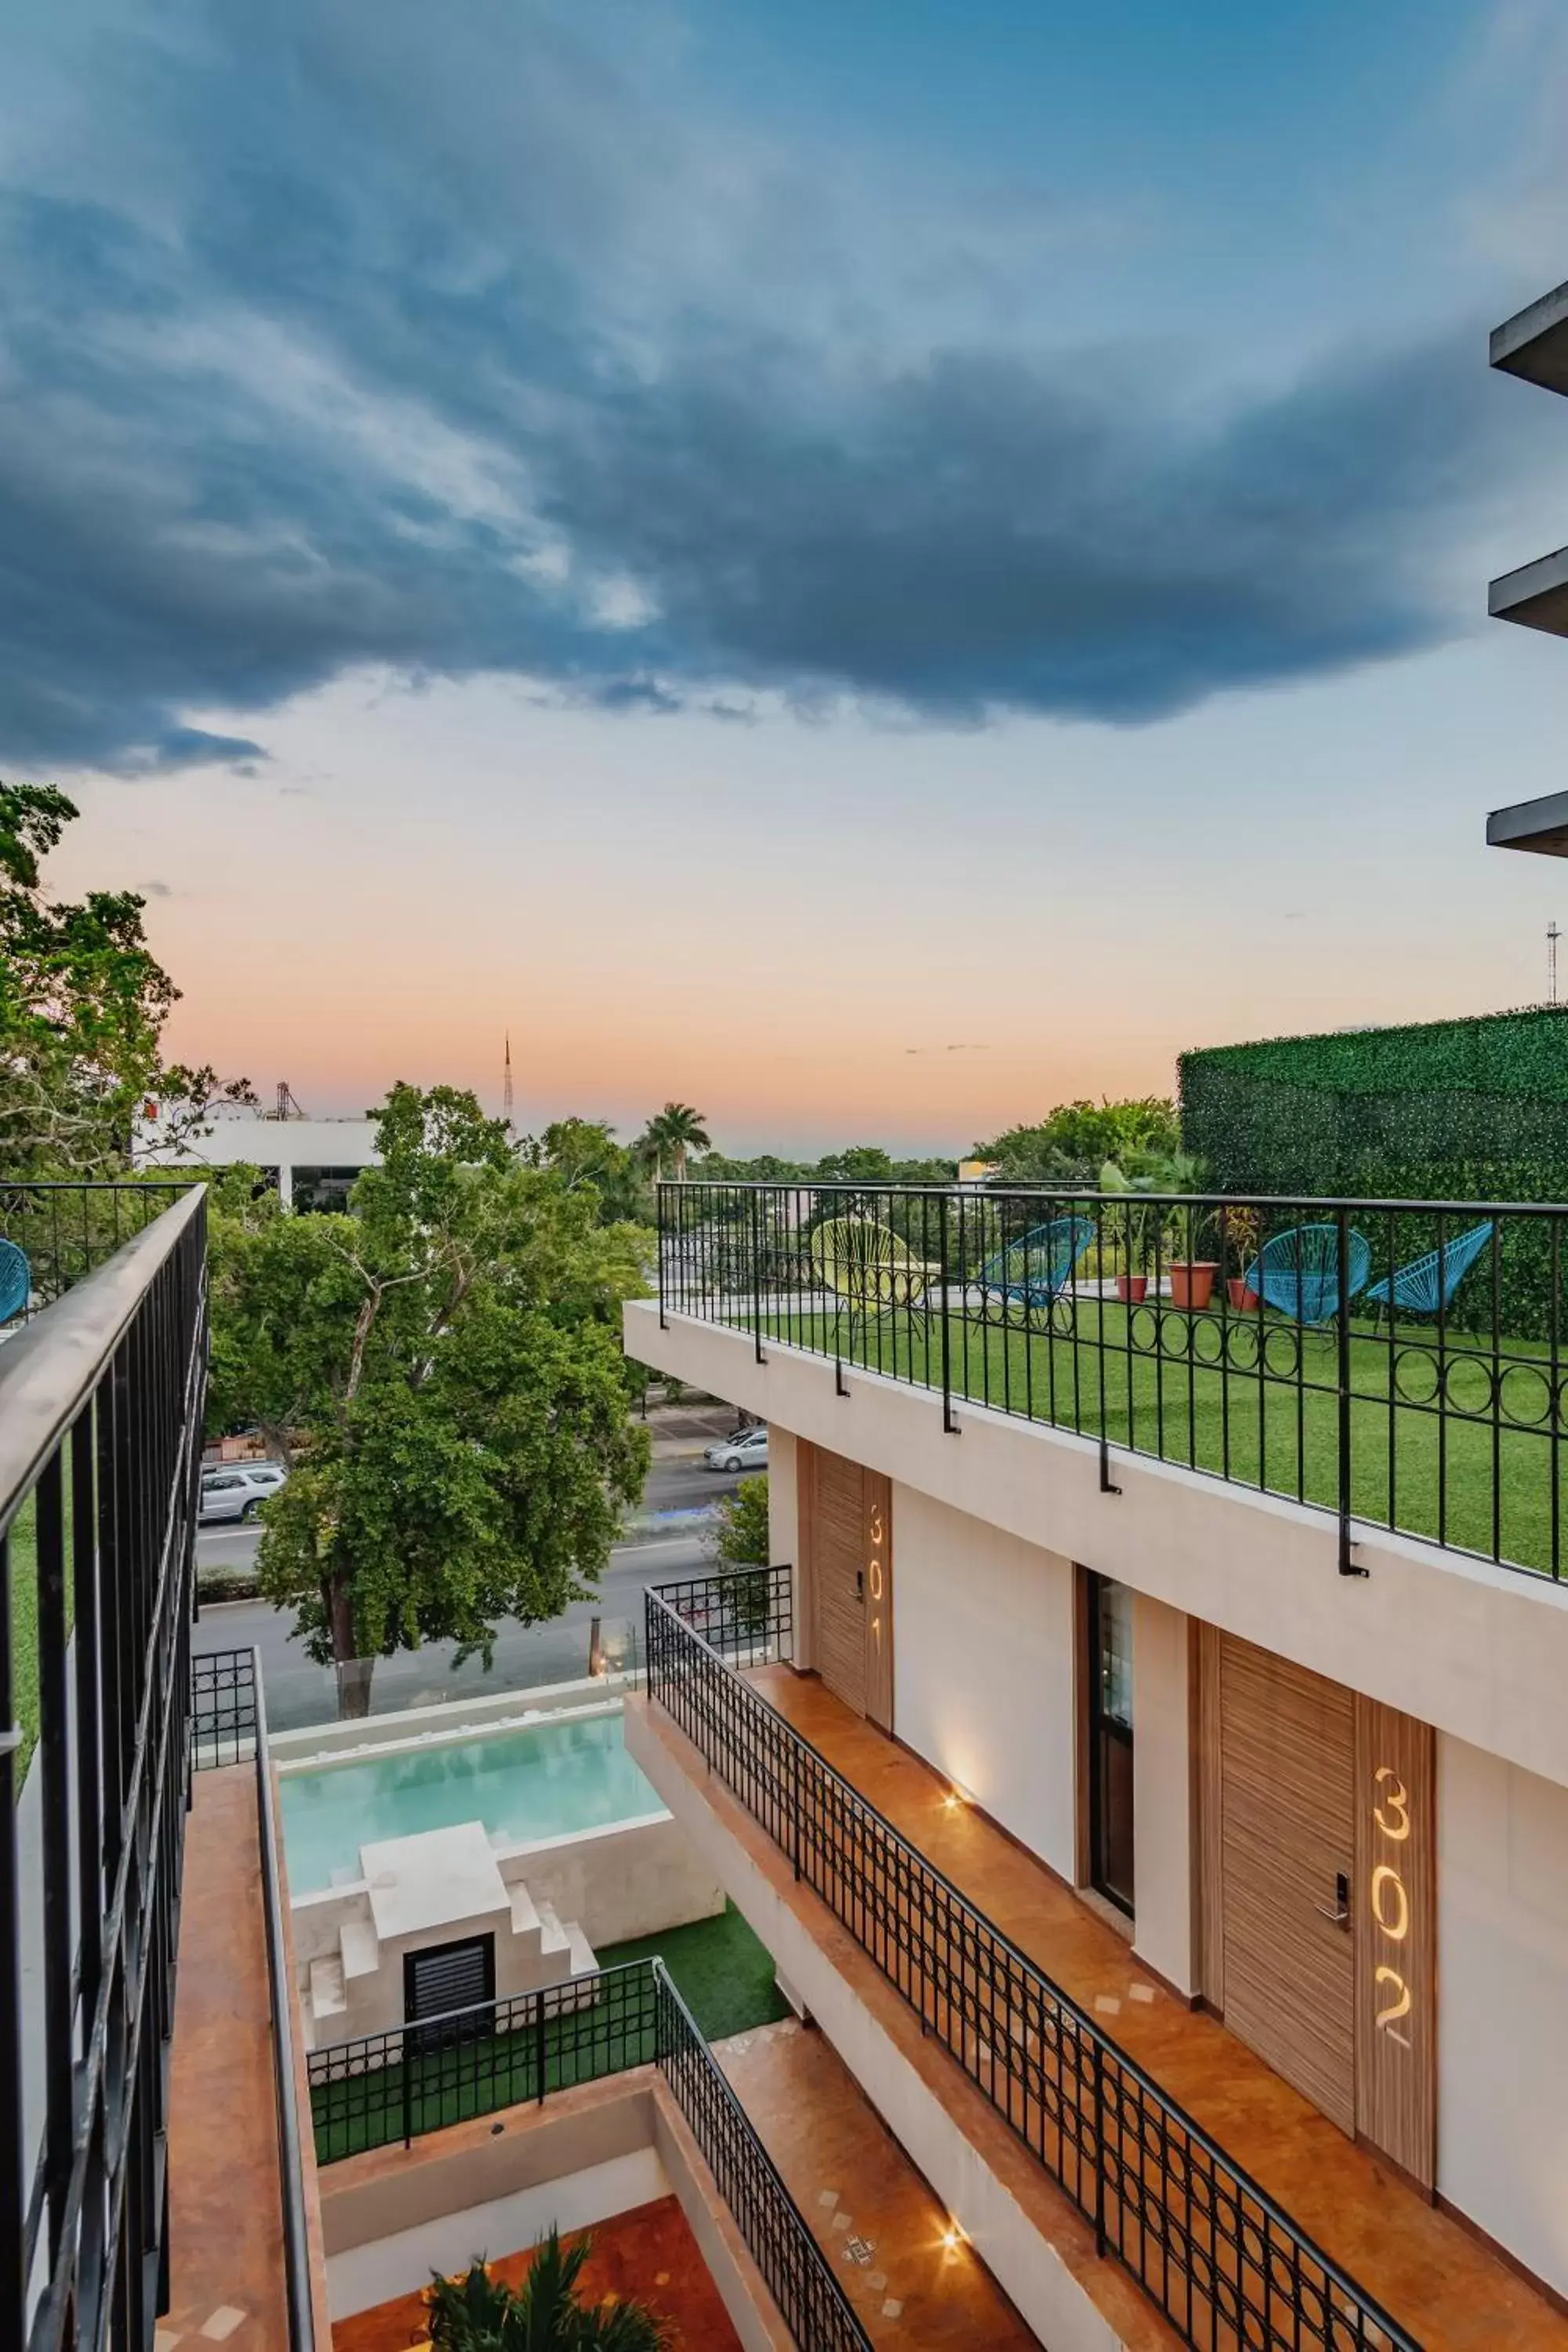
[
  {"x": 421, "y": 2077},
  {"x": 100, "y": 1421},
  {"x": 229, "y": 1726},
  {"x": 66, "y": 1226},
  {"x": 1398, "y": 1363},
  {"x": 1224, "y": 2265}
]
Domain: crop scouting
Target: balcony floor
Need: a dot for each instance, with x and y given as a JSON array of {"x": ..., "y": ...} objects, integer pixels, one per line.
[
  {"x": 1444, "y": 2287},
  {"x": 226, "y": 2228},
  {"x": 854, "y": 2183}
]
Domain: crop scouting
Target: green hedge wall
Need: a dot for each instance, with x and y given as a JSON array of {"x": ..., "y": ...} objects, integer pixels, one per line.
[{"x": 1448, "y": 1110}]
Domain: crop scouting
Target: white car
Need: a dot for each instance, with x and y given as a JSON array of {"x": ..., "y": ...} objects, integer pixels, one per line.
[
  {"x": 747, "y": 1449},
  {"x": 238, "y": 1490}
]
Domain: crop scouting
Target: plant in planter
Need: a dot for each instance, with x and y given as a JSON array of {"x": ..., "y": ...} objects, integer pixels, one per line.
[
  {"x": 1192, "y": 1277},
  {"x": 1132, "y": 1223},
  {"x": 1241, "y": 1227},
  {"x": 478, "y": 2312}
]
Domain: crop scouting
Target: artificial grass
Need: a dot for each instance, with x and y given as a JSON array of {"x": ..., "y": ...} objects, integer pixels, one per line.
[
  {"x": 1481, "y": 1476},
  {"x": 721, "y": 1970}
]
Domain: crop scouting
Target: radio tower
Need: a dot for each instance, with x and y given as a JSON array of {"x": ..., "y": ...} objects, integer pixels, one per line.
[
  {"x": 506, "y": 1082},
  {"x": 1552, "y": 936}
]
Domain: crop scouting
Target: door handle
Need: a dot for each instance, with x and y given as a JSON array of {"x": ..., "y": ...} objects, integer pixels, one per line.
[{"x": 1341, "y": 1916}]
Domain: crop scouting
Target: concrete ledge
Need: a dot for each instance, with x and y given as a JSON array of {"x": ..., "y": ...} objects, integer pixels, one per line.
[{"x": 1477, "y": 1650}]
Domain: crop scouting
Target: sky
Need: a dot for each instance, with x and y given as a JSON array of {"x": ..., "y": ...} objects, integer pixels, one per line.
[{"x": 869, "y": 569}]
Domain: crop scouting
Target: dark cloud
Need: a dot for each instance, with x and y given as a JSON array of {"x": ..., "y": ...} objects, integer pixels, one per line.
[{"x": 337, "y": 351}]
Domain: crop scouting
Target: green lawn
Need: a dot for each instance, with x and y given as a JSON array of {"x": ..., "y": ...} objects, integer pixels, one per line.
[
  {"x": 1478, "y": 1476},
  {"x": 722, "y": 1972}
]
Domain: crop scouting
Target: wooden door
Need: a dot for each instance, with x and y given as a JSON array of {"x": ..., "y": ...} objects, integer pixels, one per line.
[
  {"x": 838, "y": 1575},
  {"x": 850, "y": 1549},
  {"x": 1287, "y": 1860}
]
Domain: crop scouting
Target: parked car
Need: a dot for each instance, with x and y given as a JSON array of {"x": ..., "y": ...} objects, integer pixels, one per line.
[
  {"x": 747, "y": 1450},
  {"x": 238, "y": 1490}
]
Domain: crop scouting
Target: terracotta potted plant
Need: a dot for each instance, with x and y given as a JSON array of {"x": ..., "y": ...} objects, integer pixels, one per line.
[
  {"x": 1192, "y": 1278},
  {"x": 1241, "y": 1231},
  {"x": 1191, "y": 1282},
  {"x": 1131, "y": 1287}
]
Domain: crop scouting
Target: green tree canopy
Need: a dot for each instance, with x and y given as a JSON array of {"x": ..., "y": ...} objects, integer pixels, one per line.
[
  {"x": 584, "y": 1152},
  {"x": 669, "y": 1138},
  {"x": 1071, "y": 1144},
  {"x": 441, "y": 1371},
  {"x": 83, "y": 1000}
]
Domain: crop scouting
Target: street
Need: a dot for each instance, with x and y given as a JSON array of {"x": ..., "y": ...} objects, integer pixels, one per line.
[{"x": 665, "y": 1539}]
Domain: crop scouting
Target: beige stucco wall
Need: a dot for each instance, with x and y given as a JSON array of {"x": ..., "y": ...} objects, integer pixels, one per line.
[
  {"x": 1502, "y": 2011},
  {"x": 1164, "y": 1931},
  {"x": 1479, "y": 1652},
  {"x": 983, "y": 1667}
]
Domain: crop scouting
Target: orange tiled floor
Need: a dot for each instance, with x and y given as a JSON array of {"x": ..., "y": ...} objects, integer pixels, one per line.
[
  {"x": 226, "y": 2229},
  {"x": 858, "y": 2190},
  {"x": 1446, "y": 2288},
  {"x": 648, "y": 2254}
]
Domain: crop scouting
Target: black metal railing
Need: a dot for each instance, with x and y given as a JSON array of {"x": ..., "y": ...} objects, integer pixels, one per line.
[
  {"x": 66, "y": 1226},
  {"x": 421, "y": 2077},
  {"x": 100, "y": 1424},
  {"x": 226, "y": 1702},
  {"x": 1224, "y": 2265},
  {"x": 1397, "y": 1363},
  {"x": 747, "y": 1615},
  {"x": 229, "y": 1726}
]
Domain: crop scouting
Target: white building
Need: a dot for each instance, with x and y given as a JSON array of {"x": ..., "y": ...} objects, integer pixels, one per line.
[
  {"x": 1107, "y": 1795},
  {"x": 313, "y": 1161}
]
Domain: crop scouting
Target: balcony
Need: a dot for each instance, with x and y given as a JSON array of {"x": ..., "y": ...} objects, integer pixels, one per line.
[
  {"x": 1050, "y": 2082},
  {"x": 1397, "y": 1365}
]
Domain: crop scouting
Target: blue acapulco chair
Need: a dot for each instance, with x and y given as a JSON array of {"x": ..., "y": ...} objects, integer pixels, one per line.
[
  {"x": 1298, "y": 1272},
  {"x": 16, "y": 1281},
  {"x": 1036, "y": 1269},
  {"x": 1426, "y": 1286}
]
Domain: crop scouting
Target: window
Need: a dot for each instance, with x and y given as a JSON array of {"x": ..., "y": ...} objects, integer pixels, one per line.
[
  {"x": 220, "y": 1482},
  {"x": 1109, "y": 1664}
]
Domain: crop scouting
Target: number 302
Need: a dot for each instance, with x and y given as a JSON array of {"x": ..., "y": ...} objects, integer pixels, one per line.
[{"x": 1390, "y": 1899}]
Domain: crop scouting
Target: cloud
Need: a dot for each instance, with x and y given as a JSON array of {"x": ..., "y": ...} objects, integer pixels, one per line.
[{"x": 436, "y": 343}]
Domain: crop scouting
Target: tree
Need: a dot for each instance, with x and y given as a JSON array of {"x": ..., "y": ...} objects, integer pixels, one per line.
[
  {"x": 83, "y": 1000},
  {"x": 584, "y": 1152},
  {"x": 668, "y": 1136},
  {"x": 440, "y": 1370},
  {"x": 1071, "y": 1145},
  {"x": 478, "y": 2312},
  {"x": 739, "y": 1537}
]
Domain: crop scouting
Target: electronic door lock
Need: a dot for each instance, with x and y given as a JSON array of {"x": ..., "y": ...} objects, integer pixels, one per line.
[
  {"x": 860, "y": 1584},
  {"x": 1340, "y": 1916}
]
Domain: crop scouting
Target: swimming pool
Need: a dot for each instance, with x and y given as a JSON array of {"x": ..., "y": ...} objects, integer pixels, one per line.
[{"x": 538, "y": 1781}]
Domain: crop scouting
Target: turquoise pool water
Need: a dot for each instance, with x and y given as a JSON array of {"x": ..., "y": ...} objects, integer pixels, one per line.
[{"x": 543, "y": 1779}]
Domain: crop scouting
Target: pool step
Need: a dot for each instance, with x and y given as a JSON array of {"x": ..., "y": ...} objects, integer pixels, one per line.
[
  {"x": 327, "y": 1996},
  {"x": 361, "y": 1948},
  {"x": 527, "y": 1927},
  {"x": 564, "y": 1949}
]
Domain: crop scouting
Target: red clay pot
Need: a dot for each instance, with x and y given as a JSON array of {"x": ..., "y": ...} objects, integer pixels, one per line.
[
  {"x": 1131, "y": 1287},
  {"x": 1240, "y": 1296},
  {"x": 1192, "y": 1284}
]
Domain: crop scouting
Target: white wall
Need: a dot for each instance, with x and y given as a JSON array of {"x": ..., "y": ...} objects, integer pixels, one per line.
[
  {"x": 784, "y": 1530},
  {"x": 1165, "y": 1928},
  {"x": 983, "y": 1668},
  {"x": 1479, "y": 1652},
  {"x": 1502, "y": 2010}
]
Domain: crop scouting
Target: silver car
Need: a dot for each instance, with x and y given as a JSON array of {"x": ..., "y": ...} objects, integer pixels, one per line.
[
  {"x": 746, "y": 1450},
  {"x": 238, "y": 1489}
]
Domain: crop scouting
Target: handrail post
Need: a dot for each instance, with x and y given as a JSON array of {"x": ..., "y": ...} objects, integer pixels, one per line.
[
  {"x": 539, "y": 2040},
  {"x": 1100, "y": 2237},
  {"x": 1347, "y": 1564},
  {"x": 949, "y": 1427},
  {"x": 757, "y": 1278}
]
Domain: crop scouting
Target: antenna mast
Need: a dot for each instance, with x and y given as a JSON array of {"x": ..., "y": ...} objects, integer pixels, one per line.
[
  {"x": 506, "y": 1082},
  {"x": 1552, "y": 936}
]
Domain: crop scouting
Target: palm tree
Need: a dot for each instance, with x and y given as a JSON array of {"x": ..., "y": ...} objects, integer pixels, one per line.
[
  {"x": 478, "y": 2312},
  {"x": 670, "y": 1135}
]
